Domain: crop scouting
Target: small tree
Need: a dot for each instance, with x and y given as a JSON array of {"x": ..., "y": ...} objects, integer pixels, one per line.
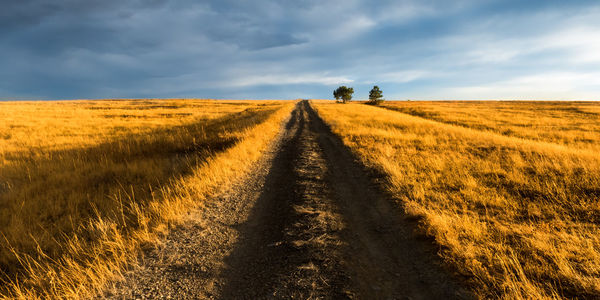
[
  {"x": 336, "y": 94},
  {"x": 375, "y": 95},
  {"x": 344, "y": 93}
]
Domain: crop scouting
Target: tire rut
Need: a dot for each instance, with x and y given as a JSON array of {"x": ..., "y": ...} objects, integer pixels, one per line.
[
  {"x": 291, "y": 246},
  {"x": 386, "y": 258}
]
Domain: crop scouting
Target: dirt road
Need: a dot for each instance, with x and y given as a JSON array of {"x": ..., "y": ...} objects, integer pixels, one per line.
[{"x": 308, "y": 223}]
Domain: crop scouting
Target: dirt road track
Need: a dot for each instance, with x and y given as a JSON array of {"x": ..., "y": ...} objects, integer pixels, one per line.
[{"x": 307, "y": 224}]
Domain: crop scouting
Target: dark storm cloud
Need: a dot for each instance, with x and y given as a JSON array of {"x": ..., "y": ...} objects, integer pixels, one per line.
[{"x": 290, "y": 49}]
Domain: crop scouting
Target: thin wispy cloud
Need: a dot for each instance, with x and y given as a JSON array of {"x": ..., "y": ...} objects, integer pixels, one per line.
[{"x": 303, "y": 49}]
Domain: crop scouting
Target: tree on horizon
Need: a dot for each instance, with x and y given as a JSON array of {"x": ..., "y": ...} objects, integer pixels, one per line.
[
  {"x": 375, "y": 95},
  {"x": 343, "y": 92}
]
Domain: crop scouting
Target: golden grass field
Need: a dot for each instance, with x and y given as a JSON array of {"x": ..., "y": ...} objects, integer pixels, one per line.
[
  {"x": 575, "y": 124},
  {"x": 84, "y": 185},
  {"x": 509, "y": 190}
]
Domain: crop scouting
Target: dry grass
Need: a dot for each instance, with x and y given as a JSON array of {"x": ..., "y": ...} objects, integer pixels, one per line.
[
  {"x": 576, "y": 124},
  {"x": 516, "y": 212},
  {"x": 85, "y": 184}
]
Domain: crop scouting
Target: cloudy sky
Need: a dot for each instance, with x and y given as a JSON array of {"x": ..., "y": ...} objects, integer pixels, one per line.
[{"x": 461, "y": 49}]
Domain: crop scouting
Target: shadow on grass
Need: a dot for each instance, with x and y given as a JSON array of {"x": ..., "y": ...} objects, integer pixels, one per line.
[{"x": 50, "y": 197}]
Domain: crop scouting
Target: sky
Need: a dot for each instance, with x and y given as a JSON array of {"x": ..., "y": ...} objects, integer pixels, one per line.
[{"x": 287, "y": 49}]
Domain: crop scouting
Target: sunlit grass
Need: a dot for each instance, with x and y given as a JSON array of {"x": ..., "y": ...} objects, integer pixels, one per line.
[
  {"x": 74, "y": 124},
  {"x": 517, "y": 213},
  {"x": 84, "y": 184},
  {"x": 575, "y": 124}
]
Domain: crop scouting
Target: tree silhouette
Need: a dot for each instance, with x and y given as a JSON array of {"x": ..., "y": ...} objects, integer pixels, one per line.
[
  {"x": 343, "y": 92},
  {"x": 375, "y": 95}
]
